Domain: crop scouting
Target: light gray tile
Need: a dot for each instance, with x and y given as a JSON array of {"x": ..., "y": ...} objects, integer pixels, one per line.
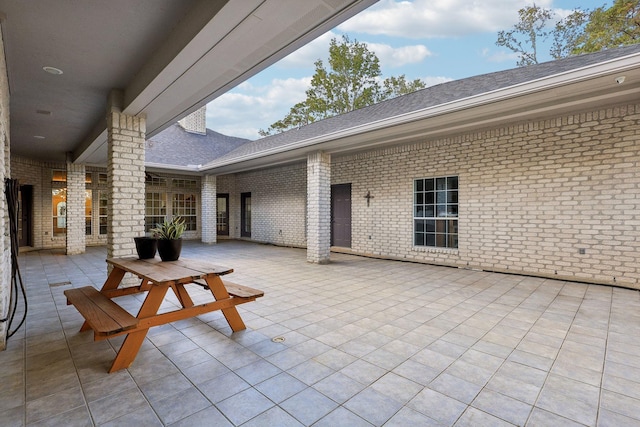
[
  {"x": 373, "y": 406},
  {"x": 273, "y": 417},
  {"x": 473, "y": 417},
  {"x": 442, "y": 408},
  {"x": 342, "y": 417},
  {"x": 120, "y": 403},
  {"x": 308, "y": 406},
  {"x": 339, "y": 387},
  {"x": 172, "y": 409},
  {"x": 244, "y": 406},
  {"x": 503, "y": 407},
  {"x": 54, "y": 404},
  {"x": 281, "y": 387}
]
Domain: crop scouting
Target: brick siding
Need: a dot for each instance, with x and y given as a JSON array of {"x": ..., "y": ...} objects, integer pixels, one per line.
[{"x": 533, "y": 196}]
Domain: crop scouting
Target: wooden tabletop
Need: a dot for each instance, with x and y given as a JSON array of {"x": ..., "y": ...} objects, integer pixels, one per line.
[{"x": 156, "y": 271}]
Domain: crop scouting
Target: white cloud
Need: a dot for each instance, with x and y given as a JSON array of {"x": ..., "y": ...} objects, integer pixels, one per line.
[
  {"x": 397, "y": 57},
  {"x": 437, "y": 18},
  {"x": 435, "y": 80},
  {"x": 249, "y": 108},
  {"x": 309, "y": 53}
]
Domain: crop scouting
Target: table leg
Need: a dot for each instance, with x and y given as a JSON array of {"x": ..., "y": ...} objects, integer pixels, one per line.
[
  {"x": 219, "y": 293},
  {"x": 112, "y": 282},
  {"x": 132, "y": 343},
  {"x": 182, "y": 295}
]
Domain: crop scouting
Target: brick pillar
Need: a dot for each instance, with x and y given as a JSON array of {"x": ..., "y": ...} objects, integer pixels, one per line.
[
  {"x": 76, "y": 239},
  {"x": 209, "y": 209},
  {"x": 125, "y": 177},
  {"x": 318, "y": 207}
]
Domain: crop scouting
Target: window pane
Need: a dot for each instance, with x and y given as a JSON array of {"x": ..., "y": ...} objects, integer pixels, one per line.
[
  {"x": 429, "y": 211},
  {"x": 452, "y": 197},
  {"x": 88, "y": 207},
  {"x": 429, "y": 197},
  {"x": 59, "y": 204},
  {"x": 431, "y": 239},
  {"x": 436, "y": 198},
  {"x": 428, "y": 185}
]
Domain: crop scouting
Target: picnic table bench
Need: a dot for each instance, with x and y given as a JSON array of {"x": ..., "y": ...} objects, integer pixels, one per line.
[{"x": 107, "y": 319}]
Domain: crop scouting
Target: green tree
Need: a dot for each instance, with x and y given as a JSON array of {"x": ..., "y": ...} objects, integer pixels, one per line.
[
  {"x": 525, "y": 36},
  {"x": 351, "y": 82},
  {"x": 617, "y": 26},
  {"x": 579, "y": 32}
]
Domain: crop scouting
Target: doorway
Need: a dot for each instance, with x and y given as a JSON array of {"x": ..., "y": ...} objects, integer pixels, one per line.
[
  {"x": 245, "y": 215},
  {"x": 25, "y": 215},
  {"x": 222, "y": 215},
  {"x": 341, "y": 215}
]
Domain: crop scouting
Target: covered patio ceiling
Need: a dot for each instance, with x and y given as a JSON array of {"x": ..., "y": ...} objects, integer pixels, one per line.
[{"x": 163, "y": 59}]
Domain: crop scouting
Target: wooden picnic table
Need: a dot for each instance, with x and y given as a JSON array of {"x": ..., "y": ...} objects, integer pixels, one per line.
[{"x": 107, "y": 319}]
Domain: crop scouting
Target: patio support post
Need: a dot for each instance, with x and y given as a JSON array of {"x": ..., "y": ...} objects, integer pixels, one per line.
[
  {"x": 76, "y": 199},
  {"x": 125, "y": 179},
  {"x": 318, "y": 207},
  {"x": 209, "y": 209}
]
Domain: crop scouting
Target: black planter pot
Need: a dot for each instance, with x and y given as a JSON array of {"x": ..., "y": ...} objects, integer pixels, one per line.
[
  {"x": 146, "y": 247},
  {"x": 169, "y": 250}
]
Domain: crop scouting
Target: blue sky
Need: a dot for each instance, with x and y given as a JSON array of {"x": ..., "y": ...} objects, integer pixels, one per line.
[{"x": 433, "y": 40}]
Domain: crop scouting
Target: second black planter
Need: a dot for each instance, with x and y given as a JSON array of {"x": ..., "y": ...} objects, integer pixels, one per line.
[{"x": 169, "y": 250}]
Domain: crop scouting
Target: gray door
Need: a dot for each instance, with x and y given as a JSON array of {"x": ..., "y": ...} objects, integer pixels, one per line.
[{"x": 341, "y": 215}]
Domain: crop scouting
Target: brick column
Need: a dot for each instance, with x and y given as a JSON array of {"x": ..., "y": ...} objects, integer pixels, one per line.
[
  {"x": 318, "y": 207},
  {"x": 76, "y": 239},
  {"x": 125, "y": 177},
  {"x": 209, "y": 209}
]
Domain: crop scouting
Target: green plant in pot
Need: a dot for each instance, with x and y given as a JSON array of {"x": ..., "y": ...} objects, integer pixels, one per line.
[{"x": 169, "y": 235}]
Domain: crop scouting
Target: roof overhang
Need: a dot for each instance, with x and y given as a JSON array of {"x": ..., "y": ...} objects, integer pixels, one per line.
[
  {"x": 164, "y": 59},
  {"x": 570, "y": 92}
]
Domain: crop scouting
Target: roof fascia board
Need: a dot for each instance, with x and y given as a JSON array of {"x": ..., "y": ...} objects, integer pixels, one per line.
[{"x": 561, "y": 79}]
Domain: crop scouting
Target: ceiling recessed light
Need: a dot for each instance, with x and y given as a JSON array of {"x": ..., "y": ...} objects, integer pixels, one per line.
[
  {"x": 52, "y": 70},
  {"x": 38, "y": 136}
]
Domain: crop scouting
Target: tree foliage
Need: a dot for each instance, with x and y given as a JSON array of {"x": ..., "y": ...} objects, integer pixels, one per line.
[
  {"x": 579, "y": 32},
  {"x": 532, "y": 26},
  {"x": 352, "y": 81}
]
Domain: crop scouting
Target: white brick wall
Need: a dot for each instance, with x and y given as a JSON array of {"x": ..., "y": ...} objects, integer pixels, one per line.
[
  {"x": 126, "y": 181},
  {"x": 531, "y": 196},
  {"x": 278, "y": 198},
  {"x": 319, "y": 207},
  {"x": 75, "y": 208},
  {"x": 209, "y": 208}
]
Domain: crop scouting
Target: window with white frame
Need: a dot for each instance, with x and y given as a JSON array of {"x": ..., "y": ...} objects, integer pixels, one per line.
[
  {"x": 184, "y": 205},
  {"x": 435, "y": 212},
  {"x": 155, "y": 209},
  {"x": 103, "y": 196}
]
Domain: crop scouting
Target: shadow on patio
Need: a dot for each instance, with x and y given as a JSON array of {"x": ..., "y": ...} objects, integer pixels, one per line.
[{"x": 366, "y": 342}]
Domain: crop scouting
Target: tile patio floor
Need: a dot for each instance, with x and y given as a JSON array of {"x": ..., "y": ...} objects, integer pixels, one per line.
[{"x": 367, "y": 342}]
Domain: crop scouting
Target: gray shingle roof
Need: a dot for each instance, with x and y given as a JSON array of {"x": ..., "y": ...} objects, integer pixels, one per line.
[
  {"x": 176, "y": 146},
  {"x": 429, "y": 97}
]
